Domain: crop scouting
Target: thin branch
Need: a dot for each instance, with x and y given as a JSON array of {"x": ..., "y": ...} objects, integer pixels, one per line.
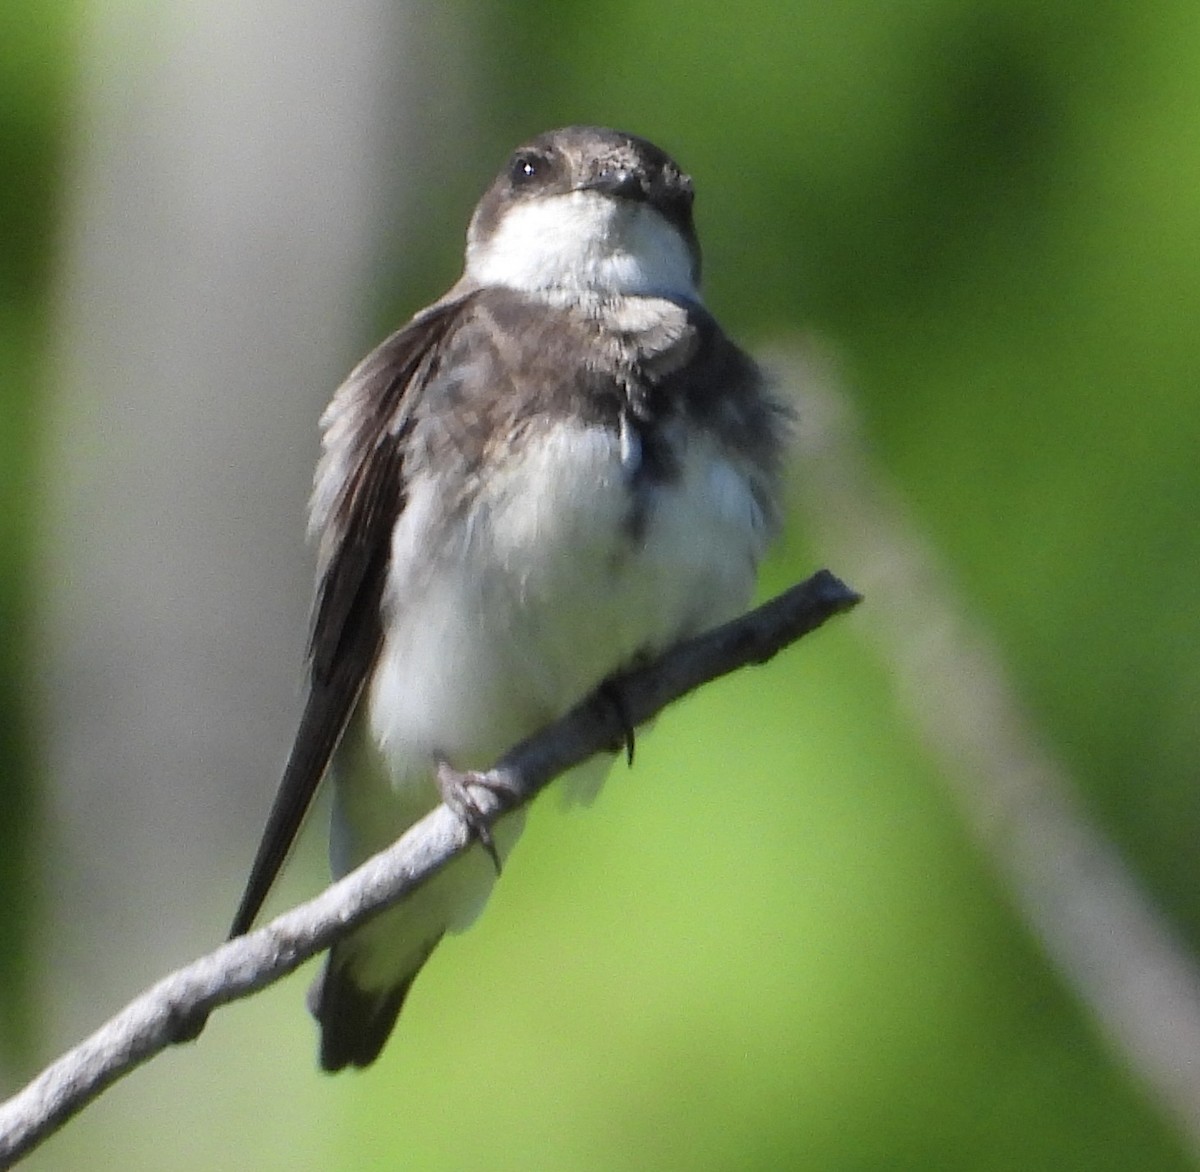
[{"x": 176, "y": 1008}]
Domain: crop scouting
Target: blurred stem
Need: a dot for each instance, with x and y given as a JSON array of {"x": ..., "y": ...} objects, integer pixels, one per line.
[{"x": 1101, "y": 930}]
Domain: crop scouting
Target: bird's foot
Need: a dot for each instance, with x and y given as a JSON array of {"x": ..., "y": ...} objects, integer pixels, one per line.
[{"x": 455, "y": 787}]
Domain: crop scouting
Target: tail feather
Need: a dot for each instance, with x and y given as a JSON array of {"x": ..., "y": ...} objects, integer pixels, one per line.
[
  {"x": 356, "y": 1022},
  {"x": 361, "y": 990}
]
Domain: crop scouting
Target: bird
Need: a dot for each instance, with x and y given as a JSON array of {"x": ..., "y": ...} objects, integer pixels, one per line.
[{"x": 556, "y": 471}]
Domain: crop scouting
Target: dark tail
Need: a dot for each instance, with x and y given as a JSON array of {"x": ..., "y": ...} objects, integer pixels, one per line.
[{"x": 355, "y": 1022}]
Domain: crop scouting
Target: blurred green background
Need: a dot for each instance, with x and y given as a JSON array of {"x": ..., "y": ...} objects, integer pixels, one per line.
[{"x": 774, "y": 944}]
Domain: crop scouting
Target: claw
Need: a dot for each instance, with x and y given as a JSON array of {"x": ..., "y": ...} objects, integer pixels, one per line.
[
  {"x": 611, "y": 692},
  {"x": 455, "y": 787}
]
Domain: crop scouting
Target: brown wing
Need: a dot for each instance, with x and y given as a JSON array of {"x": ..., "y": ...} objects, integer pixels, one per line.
[{"x": 359, "y": 495}]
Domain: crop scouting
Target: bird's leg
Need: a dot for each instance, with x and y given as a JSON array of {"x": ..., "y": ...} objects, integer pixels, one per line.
[{"x": 455, "y": 787}]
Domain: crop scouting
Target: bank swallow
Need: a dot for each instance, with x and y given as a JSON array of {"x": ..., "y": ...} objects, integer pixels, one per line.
[{"x": 556, "y": 471}]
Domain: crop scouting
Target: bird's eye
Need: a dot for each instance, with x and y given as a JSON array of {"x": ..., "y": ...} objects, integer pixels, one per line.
[{"x": 527, "y": 167}]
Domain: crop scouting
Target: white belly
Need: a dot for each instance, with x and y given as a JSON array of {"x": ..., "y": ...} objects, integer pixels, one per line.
[
  {"x": 544, "y": 592},
  {"x": 541, "y": 594}
]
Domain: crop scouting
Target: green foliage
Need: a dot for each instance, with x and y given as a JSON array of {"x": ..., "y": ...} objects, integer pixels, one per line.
[
  {"x": 33, "y": 79},
  {"x": 774, "y": 946}
]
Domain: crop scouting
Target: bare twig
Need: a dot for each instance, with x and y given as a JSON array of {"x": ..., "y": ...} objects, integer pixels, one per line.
[{"x": 175, "y": 1008}]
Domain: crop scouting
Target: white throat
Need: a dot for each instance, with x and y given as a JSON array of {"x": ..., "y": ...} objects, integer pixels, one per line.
[{"x": 585, "y": 242}]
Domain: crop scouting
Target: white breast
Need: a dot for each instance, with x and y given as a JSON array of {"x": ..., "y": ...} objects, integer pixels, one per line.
[{"x": 544, "y": 592}]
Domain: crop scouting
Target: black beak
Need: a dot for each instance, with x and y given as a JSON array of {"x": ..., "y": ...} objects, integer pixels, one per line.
[{"x": 620, "y": 183}]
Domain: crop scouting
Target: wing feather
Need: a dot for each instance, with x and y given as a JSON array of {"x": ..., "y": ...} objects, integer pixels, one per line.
[{"x": 359, "y": 495}]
